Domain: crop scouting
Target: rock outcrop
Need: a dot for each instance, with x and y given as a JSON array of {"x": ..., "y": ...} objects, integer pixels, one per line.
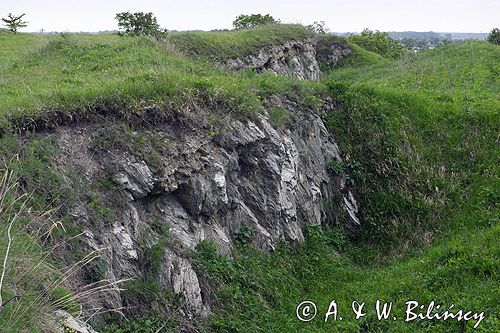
[
  {"x": 301, "y": 59},
  {"x": 290, "y": 59},
  {"x": 207, "y": 187},
  {"x": 65, "y": 322}
]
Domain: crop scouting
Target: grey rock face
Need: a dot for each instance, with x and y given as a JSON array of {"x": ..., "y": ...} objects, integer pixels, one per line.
[
  {"x": 251, "y": 175},
  {"x": 136, "y": 178},
  {"x": 329, "y": 53},
  {"x": 178, "y": 275},
  {"x": 66, "y": 322},
  {"x": 296, "y": 58}
]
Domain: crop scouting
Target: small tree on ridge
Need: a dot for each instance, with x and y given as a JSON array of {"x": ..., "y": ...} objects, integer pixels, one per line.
[
  {"x": 13, "y": 23},
  {"x": 494, "y": 36},
  {"x": 252, "y": 21},
  {"x": 138, "y": 23}
]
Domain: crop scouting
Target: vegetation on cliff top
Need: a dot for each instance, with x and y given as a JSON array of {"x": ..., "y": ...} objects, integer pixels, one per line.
[
  {"x": 222, "y": 45},
  {"x": 78, "y": 74}
]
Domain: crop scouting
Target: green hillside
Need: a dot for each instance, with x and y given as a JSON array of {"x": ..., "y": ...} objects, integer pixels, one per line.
[
  {"x": 73, "y": 73},
  {"x": 421, "y": 140},
  {"x": 227, "y": 44},
  {"x": 466, "y": 74},
  {"x": 82, "y": 74},
  {"x": 423, "y": 147}
]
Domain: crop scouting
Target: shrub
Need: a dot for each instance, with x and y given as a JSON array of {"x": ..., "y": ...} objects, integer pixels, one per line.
[
  {"x": 139, "y": 23},
  {"x": 252, "y": 21},
  {"x": 318, "y": 27},
  {"x": 13, "y": 23},
  {"x": 494, "y": 36},
  {"x": 379, "y": 42}
]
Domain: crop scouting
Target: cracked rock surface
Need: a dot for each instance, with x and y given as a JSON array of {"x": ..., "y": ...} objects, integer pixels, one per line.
[
  {"x": 294, "y": 58},
  {"x": 249, "y": 175}
]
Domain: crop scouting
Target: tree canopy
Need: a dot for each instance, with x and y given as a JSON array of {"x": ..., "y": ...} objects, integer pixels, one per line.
[
  {"x": 378, "y": 42},
  {"x": 494, "y": 36},
  {"x": 138, "y": 23},
  {"x": 252, "y": 21}
]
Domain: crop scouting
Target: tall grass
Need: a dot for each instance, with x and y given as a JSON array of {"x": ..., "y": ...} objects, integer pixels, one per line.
[
  {"x": 222, "y": 45},
  {"x": 31, "y": 286},
  {"x": 82, "y": 74}
]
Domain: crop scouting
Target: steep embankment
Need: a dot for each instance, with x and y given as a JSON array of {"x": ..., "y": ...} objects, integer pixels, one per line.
[
  {"x": 146, "y": 153},
  {"x": 165, "y": 164},
  {"x": 287, "y": 50}
]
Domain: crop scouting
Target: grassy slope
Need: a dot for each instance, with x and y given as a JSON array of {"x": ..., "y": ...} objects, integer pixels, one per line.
[
  {"x": 436, "y": 113},
  {"x": 360, "y": 57},
  {"x": 426, "y": 162},
  {"x": 466, "y": 73},
  {"x": 73, "y": 73},
  {"x": 229, "y": 44},
  {"x": 81, "y": 73},
  {"x": 421, "y": 138}
]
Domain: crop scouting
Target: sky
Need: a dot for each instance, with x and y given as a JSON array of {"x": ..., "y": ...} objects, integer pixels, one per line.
[{"x": 339, "y": 15}]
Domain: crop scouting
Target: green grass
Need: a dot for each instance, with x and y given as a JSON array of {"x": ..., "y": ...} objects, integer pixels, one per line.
[
  {"x": 259, "y": 293},
  {"x": 423, "y": 128},
  {"x": 361, "y": 57},
  {"x": 14, "y": 46},
  {"x": 465, "y": 75},
  {"x": 82, "y": 74},
  {"x": 229, "y": 44}
]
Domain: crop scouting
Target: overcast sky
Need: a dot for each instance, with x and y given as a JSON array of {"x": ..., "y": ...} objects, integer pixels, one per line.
[{"x": 340, "y": 15}]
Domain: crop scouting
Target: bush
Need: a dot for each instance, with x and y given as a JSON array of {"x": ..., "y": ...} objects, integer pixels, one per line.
[
  {"x": 379, "y": 42},
  {"x": 252, "y": 21},
  {"x": 494, "y": 36},
  {"x": 139, "y": 23}
]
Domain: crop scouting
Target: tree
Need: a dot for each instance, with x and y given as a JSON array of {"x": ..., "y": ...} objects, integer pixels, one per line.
[
  {"x": 318, "y": 27},
  {"x": 379, "y": 42},
  {"x": 494, "y": 36},
  {"x": 252, "y": 21},
  {"x": 139, "y": 23},
  {"x": 13, "y": 23}
]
